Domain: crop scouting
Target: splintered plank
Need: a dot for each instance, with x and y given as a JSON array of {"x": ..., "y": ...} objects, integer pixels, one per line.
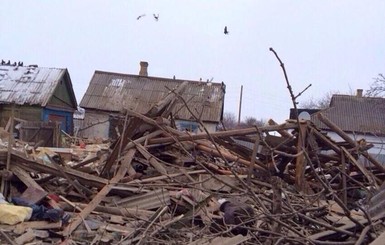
[
  {"x": 348, "y": 139},
  {"x": 36, "y": 166},
  {"x": 379, "y": 240},
  {"x": 371, "y": 178},
  {"x": 38, "y": 225},
  {"x": 300, "y": 163},
  {"x": 136, "y": 125},
  {"x": 25, "y": 177},
  {"x": 235, "y": 132},
  {"x": 99, "y": 197},
  {"x": 151, "y": 159}
]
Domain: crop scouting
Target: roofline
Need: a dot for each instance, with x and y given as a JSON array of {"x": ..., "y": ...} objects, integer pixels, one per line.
[{"x": 151, "y": 77}]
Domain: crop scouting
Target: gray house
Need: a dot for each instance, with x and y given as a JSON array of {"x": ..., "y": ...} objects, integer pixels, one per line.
[
  {"x": 358, "y": 116},
  {"x": 109, "y": 93}
]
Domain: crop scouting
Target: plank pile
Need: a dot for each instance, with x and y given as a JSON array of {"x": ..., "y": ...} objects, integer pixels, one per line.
[{"x": 157, "y": 185}]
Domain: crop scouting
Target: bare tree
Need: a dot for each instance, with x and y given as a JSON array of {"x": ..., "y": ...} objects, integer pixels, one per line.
[
  {"x": 230, "y": 121},
  {"x": 250, "y": 122},
  {"x": 320, "y": 103},
  {"x": 377, "y": 88}
]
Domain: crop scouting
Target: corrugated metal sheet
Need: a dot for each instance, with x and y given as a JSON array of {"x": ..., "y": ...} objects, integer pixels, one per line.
[
  {"x": 154, "y": 199},
  {"x": 28, "y": 84},
  {"x": 113, "y": 92},
  {"x": 355, "y": 114}
]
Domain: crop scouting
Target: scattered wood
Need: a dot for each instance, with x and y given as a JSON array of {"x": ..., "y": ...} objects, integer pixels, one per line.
[{"x": 156, "y": 184}]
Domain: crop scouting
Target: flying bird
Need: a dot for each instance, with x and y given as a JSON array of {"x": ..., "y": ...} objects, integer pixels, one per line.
[
  {"x": 156, "y": 17},
  {"x": 226, "y": 31},
  {"x": 140, "y": 16}
]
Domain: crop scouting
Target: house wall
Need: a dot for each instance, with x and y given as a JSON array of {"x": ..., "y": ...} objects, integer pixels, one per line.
[
  {"x": 194, "y": 127},
  {"x": 211, "y": 127},
  {"x": 24, "y": 112},
  {"x": 377, "y": 151},
  {"x": 98, "y": 124},
  {"x": 94, "y": 125}
]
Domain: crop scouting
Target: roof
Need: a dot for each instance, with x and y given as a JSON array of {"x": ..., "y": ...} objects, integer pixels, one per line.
[
  {"x": 30, "y": 84},
  {"x": 109, "y": 91},
  {"x": 355, "y": 114}
]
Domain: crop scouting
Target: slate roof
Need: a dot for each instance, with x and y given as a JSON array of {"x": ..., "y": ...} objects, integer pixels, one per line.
[
  {"x": 30, "y": 84},
  {"x": 355, "y": 114},
  {"x": 110, "y": 91}
]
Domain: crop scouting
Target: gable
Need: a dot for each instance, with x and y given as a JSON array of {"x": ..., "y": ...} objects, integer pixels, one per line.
[{"x": 63, "y": 96}]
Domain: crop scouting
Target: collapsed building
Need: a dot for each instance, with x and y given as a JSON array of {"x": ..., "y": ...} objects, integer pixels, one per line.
[{"x": 157, "y": 183}]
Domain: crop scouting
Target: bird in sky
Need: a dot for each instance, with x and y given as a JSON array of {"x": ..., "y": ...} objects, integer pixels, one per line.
[
  {"x": 156, "y": 17},
  {"x": 226, "y": 31},
  {"x": 140, "y": 16}
]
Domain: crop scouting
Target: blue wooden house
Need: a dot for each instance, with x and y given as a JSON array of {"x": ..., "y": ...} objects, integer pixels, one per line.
[{"x": 37, "y": 94}]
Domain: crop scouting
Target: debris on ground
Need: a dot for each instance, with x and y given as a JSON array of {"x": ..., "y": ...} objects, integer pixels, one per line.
[{"x": 276, "y": 184}]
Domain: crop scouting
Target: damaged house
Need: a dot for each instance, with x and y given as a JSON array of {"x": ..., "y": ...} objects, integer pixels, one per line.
[
  {"x": 358, "y": 116},
  {"x": 40, "y": 100},
  {"x": 109, "y": 93}
]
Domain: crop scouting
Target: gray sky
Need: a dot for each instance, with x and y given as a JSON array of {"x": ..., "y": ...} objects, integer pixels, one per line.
[{"x": 334, "y": 45}]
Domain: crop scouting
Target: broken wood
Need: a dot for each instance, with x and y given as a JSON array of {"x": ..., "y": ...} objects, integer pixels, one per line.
[{"x": 97, "y": 199}]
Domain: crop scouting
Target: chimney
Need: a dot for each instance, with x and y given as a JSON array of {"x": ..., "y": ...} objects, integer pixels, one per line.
[
  {"x": 143, "y": 69},
  {"x": 359, "y": 93}
]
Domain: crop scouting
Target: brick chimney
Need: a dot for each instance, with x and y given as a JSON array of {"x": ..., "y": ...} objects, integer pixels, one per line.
[
  {"x": 359, "y": 93},
  {"x": 143, "y": 69}
]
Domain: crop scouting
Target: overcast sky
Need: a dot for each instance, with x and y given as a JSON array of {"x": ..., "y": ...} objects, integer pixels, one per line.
[{"x": 333, "y": 45}]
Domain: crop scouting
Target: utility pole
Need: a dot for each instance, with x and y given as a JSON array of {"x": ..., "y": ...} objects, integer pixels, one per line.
[{"x": 240, "y": 106}]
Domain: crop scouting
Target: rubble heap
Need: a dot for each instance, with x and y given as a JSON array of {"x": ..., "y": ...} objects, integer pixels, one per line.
[{"x": 277, "y": 184}]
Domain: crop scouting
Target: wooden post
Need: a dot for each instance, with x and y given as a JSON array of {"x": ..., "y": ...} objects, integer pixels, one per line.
[
  {"x": 4, "y": 184},
  {"x": 344, "y": 186},
  {"x": 252, "y": 161},
  {"x": 300, "y": 164},
  {"x": 276, "y": 184},
  {"x": 240, "y": 106}
]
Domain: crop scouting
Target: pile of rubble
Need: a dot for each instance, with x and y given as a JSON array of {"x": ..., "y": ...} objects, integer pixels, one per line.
[
  {"x": 277, "y": 184},
  {"x": 156, "y": 185}
]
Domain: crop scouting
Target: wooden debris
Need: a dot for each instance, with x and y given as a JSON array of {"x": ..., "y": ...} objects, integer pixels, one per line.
[
  {"x": 26, "y": 237},
  {"x": 156, "y": 184}
]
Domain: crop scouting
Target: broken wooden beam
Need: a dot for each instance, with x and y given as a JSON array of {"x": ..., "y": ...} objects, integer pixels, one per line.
[
  {"x": 132, "y": 129},
  {"x": 347, "y": 138},
  {"x": 37, "y": 166},
  {"x": 98, "y": 197},
  {"x": 235, "y": 132}
]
